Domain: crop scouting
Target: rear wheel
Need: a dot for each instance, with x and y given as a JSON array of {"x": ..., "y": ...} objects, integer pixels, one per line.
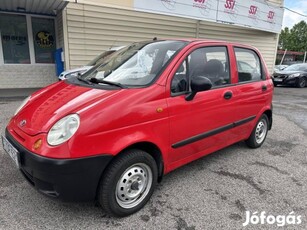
[
  {"x": 128, "y": 183},
  {"x": 301, "y": 83},
  {"x": 257, "y": 137}
]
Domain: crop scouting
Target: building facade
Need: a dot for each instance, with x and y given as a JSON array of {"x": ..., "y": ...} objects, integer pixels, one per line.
[{"x": 33, "y": 31}]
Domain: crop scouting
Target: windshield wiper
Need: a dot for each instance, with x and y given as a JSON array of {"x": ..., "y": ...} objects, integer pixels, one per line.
[
  {"x": 95, "y": 80},
  {"x": 83, "y": 80}
]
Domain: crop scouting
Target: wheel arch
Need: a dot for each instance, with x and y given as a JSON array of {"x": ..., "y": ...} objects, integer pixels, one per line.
[
  {"x": 270, "y": 117},
  {"x": 147, "y": 147},
  {"x": 152, "y": 150}
]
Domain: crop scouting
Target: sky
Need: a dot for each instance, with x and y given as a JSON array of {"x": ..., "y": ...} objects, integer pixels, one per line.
[{"x": 290, "y": 18}]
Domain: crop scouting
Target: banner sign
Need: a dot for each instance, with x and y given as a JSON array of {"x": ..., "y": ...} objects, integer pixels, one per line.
[{"x": 256, "y": 14}]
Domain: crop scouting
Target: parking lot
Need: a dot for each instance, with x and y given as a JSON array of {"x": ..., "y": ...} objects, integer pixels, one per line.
[{"x": 211, "y": 193}]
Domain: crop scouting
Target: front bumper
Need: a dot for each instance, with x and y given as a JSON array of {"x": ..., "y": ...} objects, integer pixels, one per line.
[
  {"x": 285, "y": 81},
  {"x": 66, "y": 179}
]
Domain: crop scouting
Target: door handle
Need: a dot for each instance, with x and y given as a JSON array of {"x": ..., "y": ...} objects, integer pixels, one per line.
[
  {"x": 264, "y": 88},
  {"x": 228, "y": 95}
]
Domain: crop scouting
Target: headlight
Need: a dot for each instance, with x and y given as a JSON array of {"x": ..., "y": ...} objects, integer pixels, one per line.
[
  {"x": 63, "y": 129},
  {"x": 22, "y": 105},
  {"x": 294, "y": 75}
]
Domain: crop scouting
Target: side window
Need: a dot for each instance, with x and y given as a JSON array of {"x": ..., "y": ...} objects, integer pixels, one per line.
[
  {"x": 248, "y": 64},
  {"x": 180, "y": 80},
  {"x": 210, "y": 62}
]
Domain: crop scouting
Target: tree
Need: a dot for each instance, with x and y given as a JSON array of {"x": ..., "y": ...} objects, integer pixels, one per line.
[{"x": 294, "y": 39}]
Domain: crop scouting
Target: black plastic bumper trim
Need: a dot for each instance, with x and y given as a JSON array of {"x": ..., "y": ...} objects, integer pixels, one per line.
[{"x": 66, "y": 179}]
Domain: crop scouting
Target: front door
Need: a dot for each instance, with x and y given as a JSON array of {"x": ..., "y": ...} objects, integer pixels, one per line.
[{"x": 203, "y": 124}]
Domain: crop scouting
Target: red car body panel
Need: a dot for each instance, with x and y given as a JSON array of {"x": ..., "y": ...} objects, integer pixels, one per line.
[{"x": 113, "y": 120}]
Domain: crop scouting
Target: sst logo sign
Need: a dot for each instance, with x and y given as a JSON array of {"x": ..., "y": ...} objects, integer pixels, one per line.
[
  {"x": 199, "y": 3},
  {"x": 203, "y": 5},
  {"x": 253, "y": 13},
  {"x": 230, "y": 9},
  {"x": 271, "y": 15},
  {"x": 253, "y": 10},
  {"x": 230, "y": 4}
]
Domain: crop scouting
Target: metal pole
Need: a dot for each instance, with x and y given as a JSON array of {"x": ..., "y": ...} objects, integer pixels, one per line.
[
  {"x": 283, "y": 57},
  {"x": 304, "y": 57}
]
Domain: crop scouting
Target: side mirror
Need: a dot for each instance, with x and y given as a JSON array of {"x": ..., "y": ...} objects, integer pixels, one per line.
[{"x": 198, "y": 84}]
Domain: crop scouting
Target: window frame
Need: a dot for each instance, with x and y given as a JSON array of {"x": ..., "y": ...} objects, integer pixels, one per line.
[
  {"x": 226, "y": 46},
  {"x": 30, "y": 39},
  {"x": 263, "y": 75}
]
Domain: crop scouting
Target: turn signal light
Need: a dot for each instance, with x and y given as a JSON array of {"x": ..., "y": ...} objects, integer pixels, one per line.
[{"x": 37, "y": 144}]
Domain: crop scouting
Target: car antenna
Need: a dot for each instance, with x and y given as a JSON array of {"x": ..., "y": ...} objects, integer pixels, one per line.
[
  {"x": 155, "y": 39},
  {"x": 113, "y": 44}
]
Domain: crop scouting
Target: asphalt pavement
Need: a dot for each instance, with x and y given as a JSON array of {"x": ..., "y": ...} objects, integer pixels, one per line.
[{"x": 214, "y": 192}]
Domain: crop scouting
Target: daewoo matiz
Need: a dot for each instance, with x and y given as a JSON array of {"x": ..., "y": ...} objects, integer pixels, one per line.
[{"x": 112, "y": 133}]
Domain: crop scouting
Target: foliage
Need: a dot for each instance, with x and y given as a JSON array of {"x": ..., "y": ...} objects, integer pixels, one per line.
[{"x": 294, "y": 39}]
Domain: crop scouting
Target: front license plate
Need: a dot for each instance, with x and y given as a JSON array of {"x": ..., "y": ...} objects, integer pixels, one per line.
[
  {"x": 10, "y": 149},
  {"x": 278, "y": 80}
]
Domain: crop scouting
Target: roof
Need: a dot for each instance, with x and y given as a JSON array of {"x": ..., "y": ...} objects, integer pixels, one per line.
[
  {"x": 199, "y": 40},
  {"x": 44, "y": 7}
]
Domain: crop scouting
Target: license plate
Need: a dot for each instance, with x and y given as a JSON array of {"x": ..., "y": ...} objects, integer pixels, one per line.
[
  {"x": 277, "y": 80},
  {"x": 10, "y": 149}
]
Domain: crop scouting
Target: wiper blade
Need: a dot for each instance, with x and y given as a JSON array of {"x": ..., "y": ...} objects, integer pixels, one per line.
[
  {"x": 83, "y": 80},
  {"x": 95, "y": 80}
]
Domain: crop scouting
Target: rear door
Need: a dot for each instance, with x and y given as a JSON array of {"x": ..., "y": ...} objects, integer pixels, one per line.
[
  {"x": 203, "y": 124},
  {"x": 252, "y": 89}
]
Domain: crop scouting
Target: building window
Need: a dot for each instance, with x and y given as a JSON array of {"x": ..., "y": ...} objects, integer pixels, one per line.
[
  {"x": 44, "y": 39},
  {"x": 14, "y": 39}
]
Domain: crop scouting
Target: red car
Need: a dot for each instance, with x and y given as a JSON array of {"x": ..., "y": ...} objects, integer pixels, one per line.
[{"x": 112, "y": 133}]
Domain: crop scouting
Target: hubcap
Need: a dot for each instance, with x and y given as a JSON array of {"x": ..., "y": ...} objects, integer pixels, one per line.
[
  {"x": 133, "y": 185},
  {"x": 261, "y": 131}
]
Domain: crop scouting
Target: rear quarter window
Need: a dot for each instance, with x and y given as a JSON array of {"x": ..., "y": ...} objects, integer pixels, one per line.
[{"x": 248, "y": 65}]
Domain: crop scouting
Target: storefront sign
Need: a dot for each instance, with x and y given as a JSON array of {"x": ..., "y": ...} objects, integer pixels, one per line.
[
  {"x": 19, "y": 40},
  {"x": 257, "y": 14}
]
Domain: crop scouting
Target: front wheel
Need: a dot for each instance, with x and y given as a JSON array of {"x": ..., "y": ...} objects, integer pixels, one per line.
[
  {"x": 301, "y": 83},
  {"x": 259, "y": 133},
  {"x": 128, "y": 183}
]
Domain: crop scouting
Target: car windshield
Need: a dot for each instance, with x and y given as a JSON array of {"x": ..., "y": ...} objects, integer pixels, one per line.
[
  {"x": 100, "y": 57},
  {"x": 245, "y": 67},
  {"x": 296, "y": 67},
  {"x": 135, "y": 65}
]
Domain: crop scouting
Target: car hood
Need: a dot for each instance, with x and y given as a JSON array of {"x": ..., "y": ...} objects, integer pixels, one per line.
[
  {"x": 55, "y": 102},
  {"x": 278, "y": 73}
]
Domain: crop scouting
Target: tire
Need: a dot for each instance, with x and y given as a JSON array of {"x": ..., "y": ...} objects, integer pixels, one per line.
[
  {"x": 128, "y": 183},
  {"x": 259, "y": 133},
  {"x": 301, "y": 83},
  {"x": 275, "y": 84}
]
